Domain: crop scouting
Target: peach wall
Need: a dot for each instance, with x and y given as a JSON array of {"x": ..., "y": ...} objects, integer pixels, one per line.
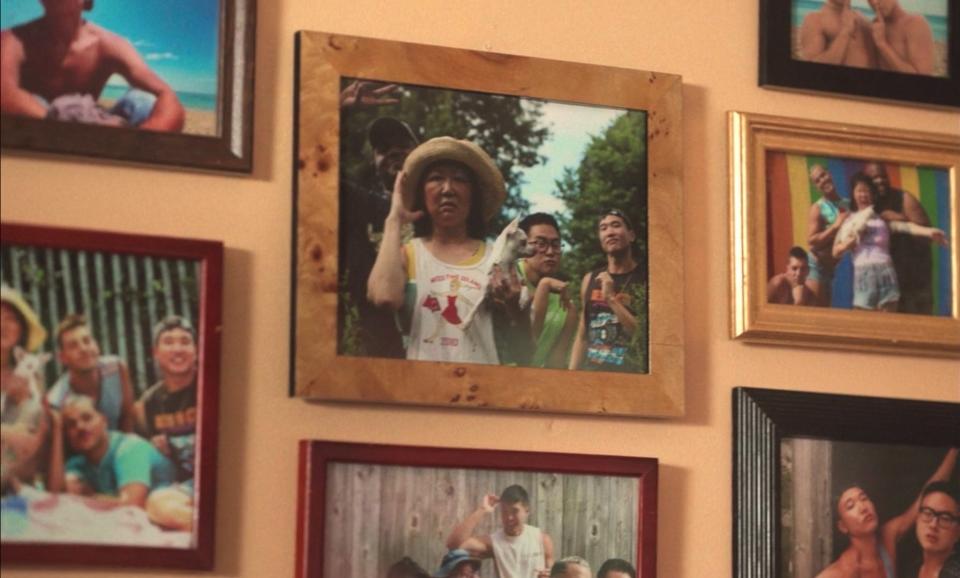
[{"x": 712, "y": 45}]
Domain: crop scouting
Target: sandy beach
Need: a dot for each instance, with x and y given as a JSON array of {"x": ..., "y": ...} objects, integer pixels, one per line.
[
  {"x": 939, "y": 60},
  {"x": 198, "y": 121}
]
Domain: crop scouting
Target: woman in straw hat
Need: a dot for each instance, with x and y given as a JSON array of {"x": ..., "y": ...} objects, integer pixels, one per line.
[
  {"x": 449, "y": 190},
  {"x": 25, "y": 422}
]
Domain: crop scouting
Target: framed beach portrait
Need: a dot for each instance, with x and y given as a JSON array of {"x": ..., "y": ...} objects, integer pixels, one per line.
[
  {"x": 126, "y": 81},
  {"x": 455, "y": 211},
  {"x": 844, "y": 237},
  {"x": 825, "y": 482},
  {"x": 110, "y": 378},
  {"x": 905, "y": 50},
  {"x": 383, "y": 510}
]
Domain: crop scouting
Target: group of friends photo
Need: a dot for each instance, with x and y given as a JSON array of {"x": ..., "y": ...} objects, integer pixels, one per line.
[
  {"x": 403, "y": 522},
  {"x": 866, "y": 235},
  {"x": 904, "y": 36},
  {"x": 99, "y": 410},
  {"x": 491, "y": 229}
]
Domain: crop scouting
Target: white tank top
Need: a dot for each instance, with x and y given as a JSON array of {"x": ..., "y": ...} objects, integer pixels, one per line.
[
  {"x": 518, "y": 556},
  {"x": 444, "y": 294}
]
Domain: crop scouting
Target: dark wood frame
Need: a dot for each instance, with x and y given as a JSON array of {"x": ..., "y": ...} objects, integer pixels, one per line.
[
  {"x": 316, "y": 455},
  {"x": 210, "y": 255},
  {"x": 764, "y": 417},
  {"x": 778, "y": 69},
  {"x": 231, "y": 150},
  {"x": 316, "y": 370}
]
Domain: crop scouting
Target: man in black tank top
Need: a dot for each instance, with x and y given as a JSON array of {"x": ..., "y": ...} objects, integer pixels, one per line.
[{"x": 609, "y": 319}]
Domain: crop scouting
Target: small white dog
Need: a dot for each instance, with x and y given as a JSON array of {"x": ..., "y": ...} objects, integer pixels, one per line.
[{"x": 510, "y": 246}]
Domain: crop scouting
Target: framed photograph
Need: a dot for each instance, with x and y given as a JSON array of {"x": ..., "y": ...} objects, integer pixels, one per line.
[
  {"x": 110, "y": 379},
  {"x": 825, "y": 482},
  {"x": 906, "y": 50},
  {"x": 856, "y": 225},
  {"x": 558, "y": 190},
  {"x": 379, "y": 510},
  {"x": 131, "y": 82}
]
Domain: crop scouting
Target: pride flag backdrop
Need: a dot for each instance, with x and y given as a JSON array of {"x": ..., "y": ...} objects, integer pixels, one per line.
[{"x": 790, "y": 194}]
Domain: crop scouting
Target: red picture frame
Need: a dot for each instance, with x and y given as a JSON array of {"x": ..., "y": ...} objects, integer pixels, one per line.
[
  {"x": 462, "y": 475},
  {"x": 127, "y": 249}
]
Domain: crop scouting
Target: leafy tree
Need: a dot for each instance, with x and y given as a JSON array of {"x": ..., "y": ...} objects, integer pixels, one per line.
[
  {"x": 612, "y": 175},
  {"x": 510, "y": 130}
]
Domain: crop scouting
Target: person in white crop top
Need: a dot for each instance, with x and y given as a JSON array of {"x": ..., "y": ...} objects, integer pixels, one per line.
[{"x": 518, "y": 549}]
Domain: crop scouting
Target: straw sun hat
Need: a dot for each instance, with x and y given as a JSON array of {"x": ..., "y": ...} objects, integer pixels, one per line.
[
  {"x": 35, "y": 331},
  {"x": 491, "y": 190}
]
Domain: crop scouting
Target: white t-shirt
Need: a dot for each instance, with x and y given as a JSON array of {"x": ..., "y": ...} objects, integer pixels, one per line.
[
  {"x": 444, "y": 294},
  {"x": 518, "y": 556}
]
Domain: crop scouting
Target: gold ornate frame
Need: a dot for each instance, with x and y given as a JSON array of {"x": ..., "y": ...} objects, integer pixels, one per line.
[
  {"x": 317, "y": 372},
  {"x": 755, "y": 320}
]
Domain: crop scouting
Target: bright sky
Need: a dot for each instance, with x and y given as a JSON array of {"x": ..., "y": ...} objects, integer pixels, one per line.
[
  {"x": 178, "y": 38},
  {"x": 571, "y": 128}
]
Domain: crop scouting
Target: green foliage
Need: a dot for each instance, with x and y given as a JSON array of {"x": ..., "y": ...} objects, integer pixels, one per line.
[
  {"x": 638, "y": 350},
  {"x": 351, "y": 340},
  {"x": 612, "y": 175},
  {"x": 508, "y": 129}
]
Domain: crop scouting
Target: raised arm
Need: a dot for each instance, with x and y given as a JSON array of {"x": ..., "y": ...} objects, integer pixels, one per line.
[
  {"x": 388, "y": 276},
  {"x": 13, "y": 98},
  {"x": 168, "y": 114},
  {"x": 895, "y": 528},
  {"x": 822, "y": 240},
  {"x": 614, "y": 300},
  {"x": 580, "y": 341},
  {"x": 462, "y": 534}
]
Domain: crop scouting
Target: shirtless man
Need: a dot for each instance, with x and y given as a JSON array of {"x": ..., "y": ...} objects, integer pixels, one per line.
[
  {"x": 57, "y": 65},
  {"x": 872, "y": 552},
  {"x": 823, "y": 221},
  {"x": 836, "y": 34},
  {"x": 788, "y": 288},
  {"x": 904, "y": 41}
]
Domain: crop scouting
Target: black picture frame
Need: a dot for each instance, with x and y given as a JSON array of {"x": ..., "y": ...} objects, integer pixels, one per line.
[
  {"x": 230, "y": 150},
  {"x": 762, "y": 418},
  {"x": 778, "y": 68}
]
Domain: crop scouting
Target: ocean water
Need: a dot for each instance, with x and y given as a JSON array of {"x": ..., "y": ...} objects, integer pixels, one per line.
[
  {"x": 194, "y": 100},
  {"x": 938, "y": 24}
]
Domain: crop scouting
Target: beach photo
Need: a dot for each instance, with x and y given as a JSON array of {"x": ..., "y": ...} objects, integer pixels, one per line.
[
  {"x": 114, "y": 63},
  {"x": 107, "y": 391},
  {"x": 567, "y": 174},
  {"x": 907, "y": 36},
  {"x": 842, "y": 500},
  {"x": 372, "y": 510},
  {"x": 858, "y": 234}
]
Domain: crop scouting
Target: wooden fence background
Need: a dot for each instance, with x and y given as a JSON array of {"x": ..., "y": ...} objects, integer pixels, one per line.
[
  {"x": 375, "y": 515},
  {"x": 123, "y": 296}
]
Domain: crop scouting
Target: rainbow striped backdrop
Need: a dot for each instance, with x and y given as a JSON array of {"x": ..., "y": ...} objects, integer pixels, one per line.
[{"x": 790, "y": 194}]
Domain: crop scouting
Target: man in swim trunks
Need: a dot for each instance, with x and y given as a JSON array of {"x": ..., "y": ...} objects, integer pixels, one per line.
[
  {"x": 824, "y": 219},
  {"x": 57, "y": 66}
]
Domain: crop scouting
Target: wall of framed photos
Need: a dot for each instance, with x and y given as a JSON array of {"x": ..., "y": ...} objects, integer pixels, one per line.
[{"x": 714, "y": 48}]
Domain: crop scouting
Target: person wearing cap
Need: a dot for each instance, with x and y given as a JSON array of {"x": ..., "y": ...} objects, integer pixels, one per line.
[
  {"x": 24, "y": 424},
  {"x": 104, "y": 378},
  {"x": 609, "y": 319},
  {"x": 365, "y": 211},
  {"x": 449, "y": 190},
  {"x": 458, "y": 563},
  {"x": 167, "y": 417}
]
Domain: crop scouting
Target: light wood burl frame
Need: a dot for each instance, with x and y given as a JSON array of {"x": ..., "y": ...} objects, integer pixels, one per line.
[
  {"x": 318, "y": 373},
  {"x": 752, "y": 318}
]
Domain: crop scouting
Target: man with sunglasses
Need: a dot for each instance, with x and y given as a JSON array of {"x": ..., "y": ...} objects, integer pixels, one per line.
[{"x": 609, "y": 320}]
